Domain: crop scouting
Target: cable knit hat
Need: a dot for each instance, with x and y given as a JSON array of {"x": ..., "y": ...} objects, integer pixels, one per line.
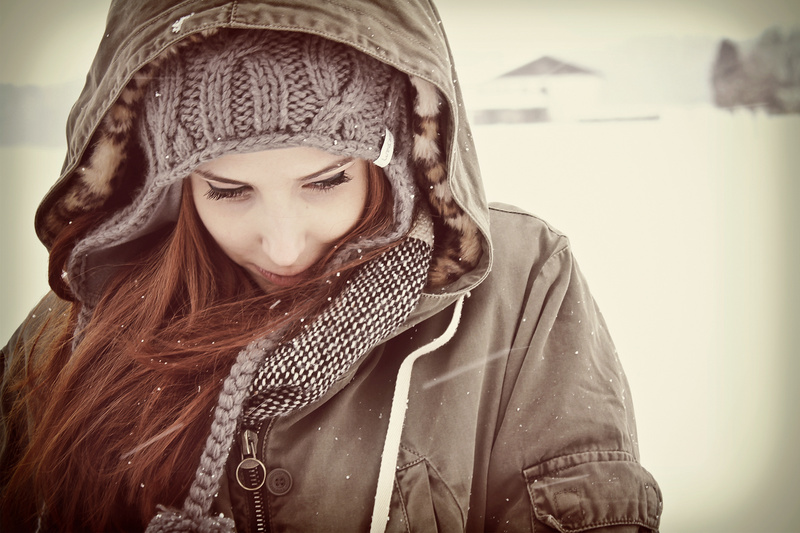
[
  {"x": 244, "y": 91},
  {"x": 248, "y": 90}
]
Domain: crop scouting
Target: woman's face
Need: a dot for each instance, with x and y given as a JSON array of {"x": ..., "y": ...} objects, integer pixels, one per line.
[{"x": 277, "y": 212}]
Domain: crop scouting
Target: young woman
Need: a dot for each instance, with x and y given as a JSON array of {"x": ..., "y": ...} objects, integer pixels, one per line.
[{"x": 281, "y": 303}]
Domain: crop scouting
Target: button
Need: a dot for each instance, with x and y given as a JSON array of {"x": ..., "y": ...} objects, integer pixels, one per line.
[{"x": 279, "y": 482}]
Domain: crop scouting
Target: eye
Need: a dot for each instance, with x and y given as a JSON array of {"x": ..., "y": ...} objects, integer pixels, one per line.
[
  {"x": 217, "y": 193},
  {"x": 330, "y": 183}
]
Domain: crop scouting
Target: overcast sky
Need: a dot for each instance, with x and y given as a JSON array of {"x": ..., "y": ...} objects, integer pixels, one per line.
[{"x": 52, "y": 41}]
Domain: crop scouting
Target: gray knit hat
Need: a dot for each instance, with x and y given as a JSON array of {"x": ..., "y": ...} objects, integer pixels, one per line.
[{"x": 249, "y": 90}]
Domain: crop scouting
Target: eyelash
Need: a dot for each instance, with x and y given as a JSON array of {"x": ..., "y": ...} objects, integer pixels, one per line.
[
  {"x": 214, "y": 193},
  {"x": 331, "y": 183},
  {"x": 327, "y": 185}
]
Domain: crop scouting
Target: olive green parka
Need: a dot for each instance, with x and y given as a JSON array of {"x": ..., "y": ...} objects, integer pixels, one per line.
[{"x": 514, "y": 413}]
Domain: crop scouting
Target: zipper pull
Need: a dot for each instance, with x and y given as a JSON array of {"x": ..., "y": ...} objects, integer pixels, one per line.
[{"x": 251, "y": 473}]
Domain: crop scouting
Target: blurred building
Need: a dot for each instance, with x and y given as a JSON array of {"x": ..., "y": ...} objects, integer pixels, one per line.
[{"x": 546, "y": 89}]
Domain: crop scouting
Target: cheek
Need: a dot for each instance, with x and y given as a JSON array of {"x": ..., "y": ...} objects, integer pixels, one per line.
[
  {"x": 222, "y": 229},
  {"x": 336, "y": 224},
  {"x": 344, "y": 214},
  {"x": 225, "y": 236}
]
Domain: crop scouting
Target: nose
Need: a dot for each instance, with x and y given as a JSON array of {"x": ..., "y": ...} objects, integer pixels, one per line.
[{"x": 283, "y": 239}]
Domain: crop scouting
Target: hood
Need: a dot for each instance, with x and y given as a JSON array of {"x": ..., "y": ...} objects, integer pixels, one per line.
[{"x": 407, "y": 36}]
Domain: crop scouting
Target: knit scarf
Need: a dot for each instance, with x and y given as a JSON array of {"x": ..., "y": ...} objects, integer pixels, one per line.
[{"x": 270, "y": 379}]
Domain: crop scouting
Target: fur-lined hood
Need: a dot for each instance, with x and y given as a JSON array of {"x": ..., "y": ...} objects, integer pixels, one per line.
[{"x": 407, "y": 36}]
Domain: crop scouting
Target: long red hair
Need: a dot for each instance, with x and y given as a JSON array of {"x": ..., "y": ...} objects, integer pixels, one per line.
[{"x": 127, "y": 413}]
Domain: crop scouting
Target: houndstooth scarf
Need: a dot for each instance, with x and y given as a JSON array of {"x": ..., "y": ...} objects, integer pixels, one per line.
[
  {"x": 377, "y": 301},
  {"x": 271, "y": 380}
]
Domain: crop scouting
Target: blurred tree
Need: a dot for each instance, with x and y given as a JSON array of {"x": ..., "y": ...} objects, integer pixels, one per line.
[
  {"x": 787, "y": 95},
  {"x": 767, "y": 77},
  {"x": 728, "y": 77}
]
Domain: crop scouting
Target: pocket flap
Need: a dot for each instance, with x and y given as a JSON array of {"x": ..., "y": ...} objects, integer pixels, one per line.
[{"x": 589, "y": 490}]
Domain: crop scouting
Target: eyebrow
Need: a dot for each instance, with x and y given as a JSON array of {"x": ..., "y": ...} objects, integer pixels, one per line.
[{"x": 335, "y": 166}]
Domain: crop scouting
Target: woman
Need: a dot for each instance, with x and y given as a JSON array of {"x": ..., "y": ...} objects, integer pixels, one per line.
[{"x": 278, "y": 305}]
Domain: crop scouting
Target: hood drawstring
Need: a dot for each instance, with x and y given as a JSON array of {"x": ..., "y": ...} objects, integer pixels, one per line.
[
  {"x": 397, "y": 416},
  {"x": 377, "y": 300},
  {"x": 194, "y": 515}
]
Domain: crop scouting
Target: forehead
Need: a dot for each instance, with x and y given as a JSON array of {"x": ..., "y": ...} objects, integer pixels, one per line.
[{"x": 296, "y": 162}]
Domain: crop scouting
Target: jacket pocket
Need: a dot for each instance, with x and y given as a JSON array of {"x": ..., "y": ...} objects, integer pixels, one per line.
[
  {"x": 592, "y": 491},
  {"x": 422, "y": 501}
]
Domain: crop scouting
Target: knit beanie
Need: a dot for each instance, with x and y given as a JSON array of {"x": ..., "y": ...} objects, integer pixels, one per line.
[{"x": 243, "y": 91}]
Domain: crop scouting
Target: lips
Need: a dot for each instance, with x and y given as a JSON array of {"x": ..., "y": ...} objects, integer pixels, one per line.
[{"x": 282, "y": 281}]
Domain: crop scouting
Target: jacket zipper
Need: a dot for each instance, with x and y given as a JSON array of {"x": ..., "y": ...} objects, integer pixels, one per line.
[{"x": 251, "y": 475}]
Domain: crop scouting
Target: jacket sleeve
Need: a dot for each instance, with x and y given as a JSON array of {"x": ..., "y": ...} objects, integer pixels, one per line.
[
  {"x": 7, "y": 397},
  {"x": 565, "y": 455},
  {"x": 15, "y": 358}
]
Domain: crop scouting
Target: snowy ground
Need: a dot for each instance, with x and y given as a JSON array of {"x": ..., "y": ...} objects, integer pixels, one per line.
[{"x": 684, "y": 228}]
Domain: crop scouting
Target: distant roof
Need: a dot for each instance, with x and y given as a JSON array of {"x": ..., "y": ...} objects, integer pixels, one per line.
[{"x": 547, "y": 66}]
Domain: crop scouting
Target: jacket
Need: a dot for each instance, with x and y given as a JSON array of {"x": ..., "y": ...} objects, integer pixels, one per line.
[{"x": 499, "y": 405}]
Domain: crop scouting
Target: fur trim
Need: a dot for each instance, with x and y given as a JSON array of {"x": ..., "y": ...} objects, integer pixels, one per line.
[
  {"x": 97, "y": 177},
  {"x": 427, "y": 102},
  {"x": 458, "y": 249}
]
